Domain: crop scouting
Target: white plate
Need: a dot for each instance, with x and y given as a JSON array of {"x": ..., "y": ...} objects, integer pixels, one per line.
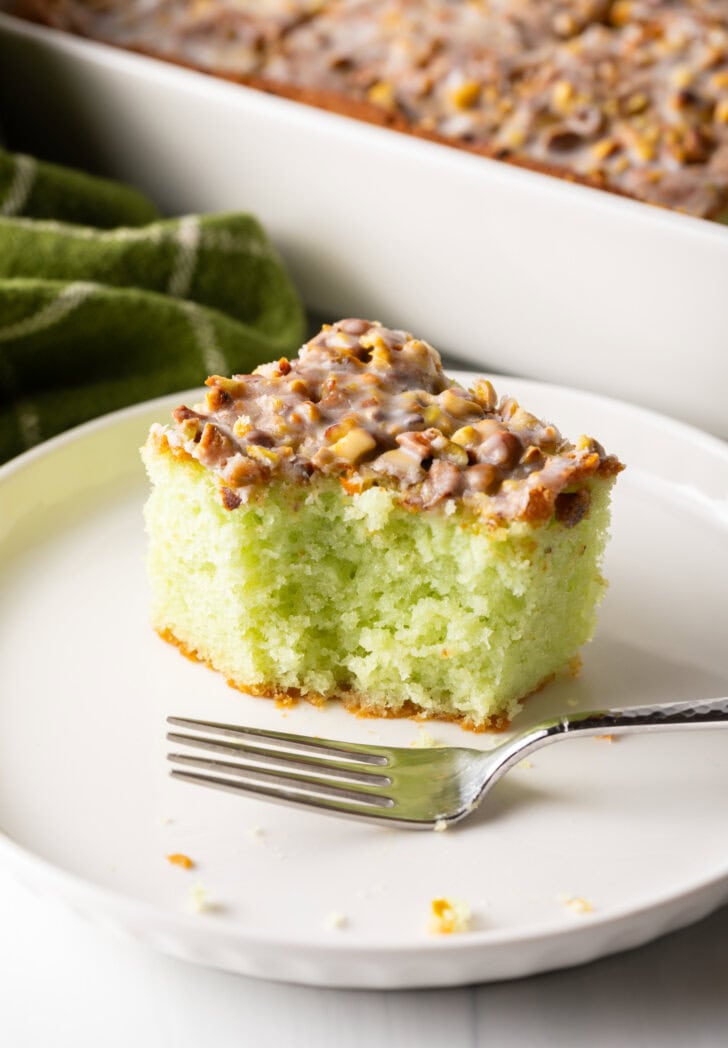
[
  {"x": 88, "y": 812},
  {"x": 513, "y": 270}
]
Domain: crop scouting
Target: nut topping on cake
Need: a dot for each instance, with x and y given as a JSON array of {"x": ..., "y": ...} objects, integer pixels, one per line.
[{"x": 371, "y": 405}]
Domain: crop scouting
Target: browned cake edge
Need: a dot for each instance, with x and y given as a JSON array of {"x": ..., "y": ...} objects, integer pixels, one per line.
[{"x": 356, "y": 702}]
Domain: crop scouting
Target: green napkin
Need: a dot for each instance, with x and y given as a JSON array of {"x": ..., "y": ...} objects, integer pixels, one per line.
[
  {"x": 222, "y": 261},
  {"x": 73, "y": 350},
  {"x": 92, "y": 320},
  {"x": 39, "y": 190}
]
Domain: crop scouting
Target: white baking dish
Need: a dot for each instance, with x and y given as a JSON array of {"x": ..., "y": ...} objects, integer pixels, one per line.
[{"x": 508, "y": 269}]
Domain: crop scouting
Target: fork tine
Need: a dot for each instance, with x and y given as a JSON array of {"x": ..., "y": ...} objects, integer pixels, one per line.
[
  {"x": 282, "y": 771},
  {"x": 329, "y": 805},
  {"x": 360, "y": 792},
  {"x": 279, "y": 758},
  {"x": 322, "y": 747}
]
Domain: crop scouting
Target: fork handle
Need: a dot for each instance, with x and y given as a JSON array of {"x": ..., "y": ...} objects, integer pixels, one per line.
[
  {"x": 663, "y": 717},
  {"x": 671, "y": 716}
]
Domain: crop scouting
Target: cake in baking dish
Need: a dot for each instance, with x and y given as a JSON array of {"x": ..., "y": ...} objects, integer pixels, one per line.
[
  {"x": 625, "y": 95},
  {"x": 355, "y": 524}
]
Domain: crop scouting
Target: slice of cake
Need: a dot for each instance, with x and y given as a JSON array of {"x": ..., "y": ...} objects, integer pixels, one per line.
[{"x": 355, "y": 524}]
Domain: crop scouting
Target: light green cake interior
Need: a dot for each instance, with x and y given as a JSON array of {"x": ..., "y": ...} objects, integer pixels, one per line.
[{"x": 309, "y": 588}]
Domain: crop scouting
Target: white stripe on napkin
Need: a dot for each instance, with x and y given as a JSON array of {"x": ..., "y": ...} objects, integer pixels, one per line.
[
  {"x": 64, "y": 303},
  {"x": 188, "y": 241},
  {"x": 204, "y": 332},
  {"x": 28, "y": 423},
  {"x": 26, "y": 414},
  {"x": 153, "y": 233},
  {"x": 237, "y": 244},
  {"x": 21, "y": 185}
]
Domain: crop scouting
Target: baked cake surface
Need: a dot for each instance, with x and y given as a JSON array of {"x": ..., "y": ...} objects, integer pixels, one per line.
[
  {"x": 628, "y": 95},
  {"x": 353, "y": 523}
]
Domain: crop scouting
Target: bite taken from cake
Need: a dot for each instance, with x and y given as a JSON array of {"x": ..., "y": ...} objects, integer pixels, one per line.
[{"x": 354, "y": 524}]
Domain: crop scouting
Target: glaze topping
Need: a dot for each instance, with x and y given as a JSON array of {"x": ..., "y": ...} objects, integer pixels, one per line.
[{"x": 373, "y": 406}]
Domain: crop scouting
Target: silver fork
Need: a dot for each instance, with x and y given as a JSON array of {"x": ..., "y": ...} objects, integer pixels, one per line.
[{"x": 418, "y": 789}]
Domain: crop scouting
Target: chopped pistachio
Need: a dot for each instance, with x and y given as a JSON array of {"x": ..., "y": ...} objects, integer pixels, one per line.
[
  {"x": 354, "y": 445},
  {"x": 382, "y": 94},
  {"x": 464, "y": 436},
  {"x": 465, "y": 95}
]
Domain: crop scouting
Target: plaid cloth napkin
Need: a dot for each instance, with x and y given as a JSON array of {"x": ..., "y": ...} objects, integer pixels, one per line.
[
  {"x": 94, "y": 319},
  {"x": 39, "y": 190}
]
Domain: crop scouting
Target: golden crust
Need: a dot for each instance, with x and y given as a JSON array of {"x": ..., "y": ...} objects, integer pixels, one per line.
[{"x": 353, "y": 702}]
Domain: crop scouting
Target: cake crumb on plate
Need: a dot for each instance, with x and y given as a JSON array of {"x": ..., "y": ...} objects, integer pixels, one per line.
[
  {"x": 199, "y": 901},
  {"x": 575, "y": 665},
  {"x": 576, "y": 903},
  {"x": 179, "y": 859},
  {"x": 336, "y": 920},
  {"x": 449, "y": 916},
  {"x": 424, "y": 741}
]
